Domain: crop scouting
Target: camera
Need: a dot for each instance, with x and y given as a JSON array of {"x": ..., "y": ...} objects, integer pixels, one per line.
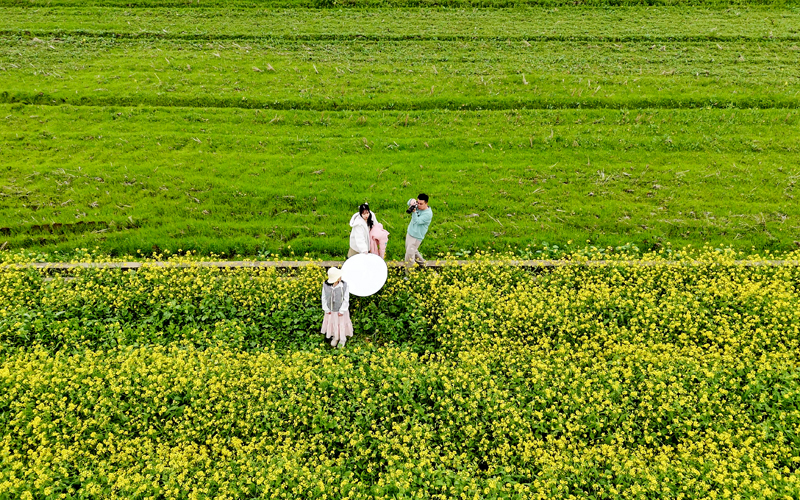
[{"x": 412, "y": 205}]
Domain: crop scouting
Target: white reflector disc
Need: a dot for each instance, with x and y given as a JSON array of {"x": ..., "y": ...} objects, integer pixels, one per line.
[{"x": 365, "y": 274}]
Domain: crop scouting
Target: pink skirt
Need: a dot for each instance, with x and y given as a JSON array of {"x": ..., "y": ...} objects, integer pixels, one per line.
[
  {"x": 337, "y": 328},
  {"x": 378, "y": 237}
]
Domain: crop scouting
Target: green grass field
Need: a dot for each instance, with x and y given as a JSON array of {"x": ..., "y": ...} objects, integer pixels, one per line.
[{"x": 259, "y": 131}]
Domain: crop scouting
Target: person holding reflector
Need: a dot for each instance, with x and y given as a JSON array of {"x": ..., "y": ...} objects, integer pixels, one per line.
[{"x": 361, "y": 223}]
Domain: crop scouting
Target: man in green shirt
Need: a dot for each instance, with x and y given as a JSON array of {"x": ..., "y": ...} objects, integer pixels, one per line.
[{"x": 421, "y": 215}]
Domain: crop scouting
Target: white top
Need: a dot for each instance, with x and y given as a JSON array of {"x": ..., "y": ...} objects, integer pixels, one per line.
[{"x": 359, "y": 235}]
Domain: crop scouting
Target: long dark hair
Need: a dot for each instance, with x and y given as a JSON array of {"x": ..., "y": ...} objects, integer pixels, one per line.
[{"x": 365, "y": 207}]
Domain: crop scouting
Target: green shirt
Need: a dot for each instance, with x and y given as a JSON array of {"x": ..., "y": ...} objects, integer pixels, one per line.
[{"x": 420, "y": 220}]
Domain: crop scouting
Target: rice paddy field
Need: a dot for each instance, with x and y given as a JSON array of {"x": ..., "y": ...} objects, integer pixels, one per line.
[{"x": 651, "y": 149}]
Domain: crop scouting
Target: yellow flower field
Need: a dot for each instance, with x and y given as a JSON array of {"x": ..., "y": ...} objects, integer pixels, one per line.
[{"x": 665, "y": 380}]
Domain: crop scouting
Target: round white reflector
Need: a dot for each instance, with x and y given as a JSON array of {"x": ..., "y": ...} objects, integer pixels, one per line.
[{"x": 365, "y": 274}]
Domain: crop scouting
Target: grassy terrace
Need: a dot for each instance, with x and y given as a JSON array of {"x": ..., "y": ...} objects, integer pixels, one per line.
[
  {"x": 379, "y": 60},
  {"x": 252, "y": 131},
  {"x": 180, "y": 176}
]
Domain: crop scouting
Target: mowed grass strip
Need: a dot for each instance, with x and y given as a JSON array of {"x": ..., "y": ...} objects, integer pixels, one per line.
[
  {"x": 250, "y": 181},
  {"x": 671, "y": 24},
  {"x": 398, "y": 74}
]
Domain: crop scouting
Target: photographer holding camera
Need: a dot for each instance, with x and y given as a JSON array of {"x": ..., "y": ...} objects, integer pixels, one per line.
[{"x": 421, "y": 215}]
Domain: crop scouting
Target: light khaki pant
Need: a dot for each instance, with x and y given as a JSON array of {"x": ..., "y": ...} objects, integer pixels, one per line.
[
  {"x": 351, "y": 253},
  {"x": 412, "y": 252}
]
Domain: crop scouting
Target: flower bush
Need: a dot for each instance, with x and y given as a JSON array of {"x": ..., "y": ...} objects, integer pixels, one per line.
[{"x": 634, "y": 379}]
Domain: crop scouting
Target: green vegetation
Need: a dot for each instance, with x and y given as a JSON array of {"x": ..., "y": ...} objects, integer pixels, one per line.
[
  {"x": 361, "y": 4},
  {"x": 258, "y": 131},
  {"x": 402, "y": 75},
  {"x": 624, "y": 24},
  {"x": 253, "y": 309},
  {"x": 620, "y": 381},
  {"x": 159, "y": 128},
  {"x": 181, "y": 178},
  {"x": 313, "y": 65}
]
